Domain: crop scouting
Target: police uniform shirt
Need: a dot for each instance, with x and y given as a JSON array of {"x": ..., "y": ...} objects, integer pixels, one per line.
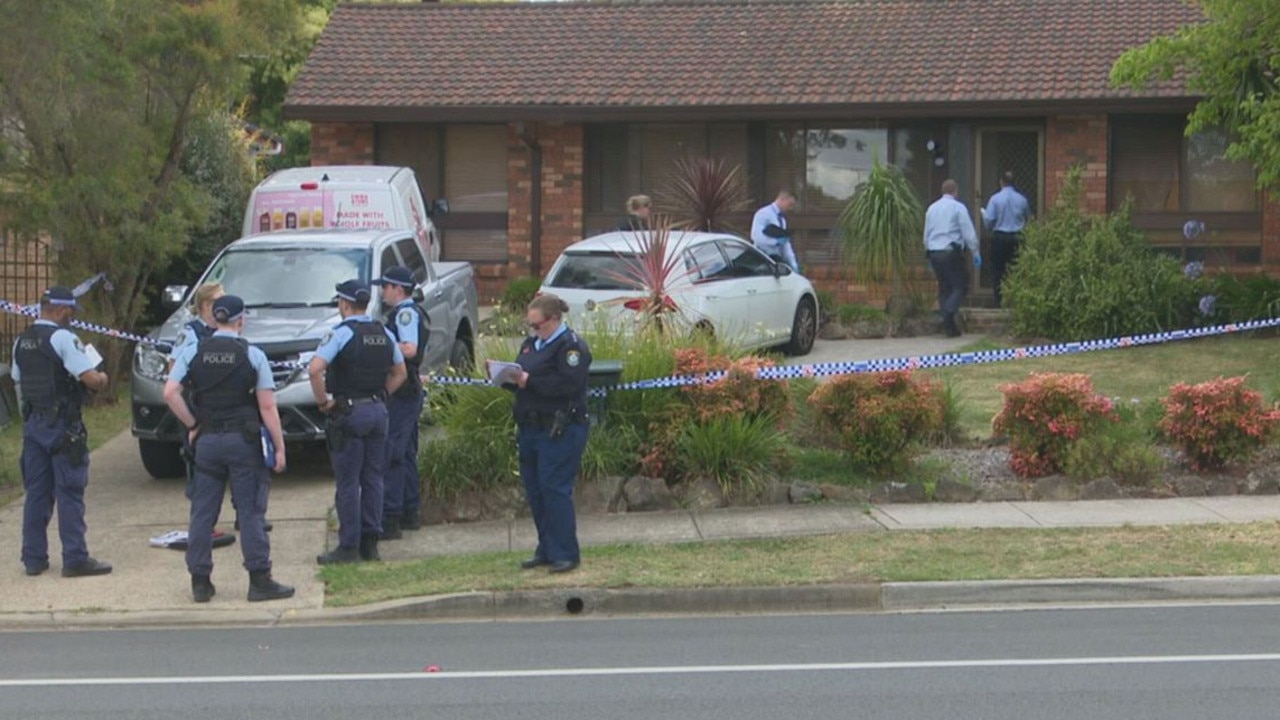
[
  {"x": 558, "y": 369},
  {"x": 257, "y": 360},
  {"x": 406, "y": 321},
  {"x": 68, "y": 347},
  {"x": 341, "y": 335},
  {"x": 190, "y": 337}
]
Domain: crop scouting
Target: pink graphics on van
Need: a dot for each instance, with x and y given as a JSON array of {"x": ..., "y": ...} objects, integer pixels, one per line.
[{"x": 316, "y": 208}]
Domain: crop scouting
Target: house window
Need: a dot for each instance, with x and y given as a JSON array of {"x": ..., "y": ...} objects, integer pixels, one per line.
[
  {"x": 1164, "y": 171},
  {"x": 475, "y": 184},
  {"x": 918, "y": 163}
]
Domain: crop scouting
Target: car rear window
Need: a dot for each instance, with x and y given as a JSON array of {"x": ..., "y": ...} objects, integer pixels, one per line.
[{"x": 603, "y": 270}]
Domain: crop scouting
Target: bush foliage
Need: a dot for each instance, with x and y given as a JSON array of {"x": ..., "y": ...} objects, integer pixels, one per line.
[
  {"x": 1217, "y": 422},
  {"x": 879, "y": 418},
  {"x": 1047, "y": 414}
]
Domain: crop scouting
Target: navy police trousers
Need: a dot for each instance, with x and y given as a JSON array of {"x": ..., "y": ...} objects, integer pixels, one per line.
[
  {"x": 360, "y": 465},
  {"x": 52, "y": 482},
  {"x": 548, "y": 469},
  {"x": 222, "y": 458}
]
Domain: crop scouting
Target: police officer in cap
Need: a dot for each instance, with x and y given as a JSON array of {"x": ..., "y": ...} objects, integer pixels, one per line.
[
  {"x": 401, "y": 503},
  {"x": 233, "y": 393},
  {"x": 52, "y": 371},
  {"x": 354, "y": 370},
  {"x": 551, "y": 414}
]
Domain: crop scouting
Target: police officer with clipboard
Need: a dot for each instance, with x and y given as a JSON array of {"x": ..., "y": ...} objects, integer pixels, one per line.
[
  {"x": 234, "y": 394},
  {"x": 52, "y": 372},
  {"x": 355, "y": 368}
]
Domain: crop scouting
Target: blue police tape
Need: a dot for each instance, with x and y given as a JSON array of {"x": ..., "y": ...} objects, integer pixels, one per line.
[{"x": 789, "y": 372}]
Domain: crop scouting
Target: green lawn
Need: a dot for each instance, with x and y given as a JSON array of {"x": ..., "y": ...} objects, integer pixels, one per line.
[
  {"x": 1144, "y": 372},
  {"x": 103, "y": 423},
  {"x": 988, "y": 554}
]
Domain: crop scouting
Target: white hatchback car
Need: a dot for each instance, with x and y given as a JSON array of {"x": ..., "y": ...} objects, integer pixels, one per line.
[{"x": 719, "y": 283}]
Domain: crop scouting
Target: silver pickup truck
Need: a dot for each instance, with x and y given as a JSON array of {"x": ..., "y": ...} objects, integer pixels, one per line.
[{"x": 287, "y": 282}]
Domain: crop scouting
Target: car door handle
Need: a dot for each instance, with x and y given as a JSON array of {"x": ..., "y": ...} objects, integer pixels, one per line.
[{"x": 439, "y": 293}]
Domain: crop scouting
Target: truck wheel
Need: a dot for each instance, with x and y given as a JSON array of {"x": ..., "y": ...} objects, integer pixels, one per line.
[
  {"x": 460, "y": 357},
  {"x": 163, "y": 460}
]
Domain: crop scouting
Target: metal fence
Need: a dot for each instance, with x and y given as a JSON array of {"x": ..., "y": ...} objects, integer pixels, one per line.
[{"x": 25, "y": 271}]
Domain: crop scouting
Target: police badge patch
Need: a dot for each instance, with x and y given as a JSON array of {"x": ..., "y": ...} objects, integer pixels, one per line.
[
  {"x": 79, "y": 345},
  {"x": 327, "y": 337},
  {"x": 405, "y": 317},
  {"x": 573, "y": 357}
]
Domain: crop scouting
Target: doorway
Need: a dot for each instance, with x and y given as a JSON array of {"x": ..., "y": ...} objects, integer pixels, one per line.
[{"x": 1017, "y": 149}]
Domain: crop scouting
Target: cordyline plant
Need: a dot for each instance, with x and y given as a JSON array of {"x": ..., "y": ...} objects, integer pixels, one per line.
[
  {"x": 882, "y": 226},
  {"x": 704, "y": 193},
  {"x": 650, "y": 267}
]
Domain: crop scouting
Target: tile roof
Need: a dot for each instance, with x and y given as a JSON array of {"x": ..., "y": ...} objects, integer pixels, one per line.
[{"x": 744, "y": 54}]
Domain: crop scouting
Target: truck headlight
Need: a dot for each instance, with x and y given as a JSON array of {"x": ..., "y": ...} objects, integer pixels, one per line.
[{"x": 150, "y": 363}]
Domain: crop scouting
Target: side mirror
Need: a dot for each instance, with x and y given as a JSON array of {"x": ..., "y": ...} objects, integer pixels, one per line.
[
  {"x": 781, "y": 270},
  {"x": 172, "y": 296},
  {"x": 440, "y": 207}
]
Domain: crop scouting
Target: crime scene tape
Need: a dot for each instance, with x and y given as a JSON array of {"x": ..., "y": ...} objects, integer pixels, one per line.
[{"x": 789, "y": 372}]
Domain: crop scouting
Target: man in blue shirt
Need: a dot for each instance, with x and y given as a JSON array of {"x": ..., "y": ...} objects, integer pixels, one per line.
[
  {"x": 355, "y": 368},
  {"x": 771, "y": 233},
  {"x": 402, "y": 503},
  {"x": 1005, "y": 215},
  {"x": 52, "y": 371},
  {"x": 948, "y": 231},
  {"x": 233, "y": 396}
]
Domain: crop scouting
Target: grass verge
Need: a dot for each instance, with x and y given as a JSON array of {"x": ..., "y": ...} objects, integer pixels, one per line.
[
  {"x": 103, "y": 422},
  {"x": 976, "y": 554}
]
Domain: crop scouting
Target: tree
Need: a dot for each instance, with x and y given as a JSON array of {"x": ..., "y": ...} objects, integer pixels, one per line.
[
  {"x": 100, "y": 98},
  {"x": 882, "y": 227},
  {"x": 1232, "y": 60}
]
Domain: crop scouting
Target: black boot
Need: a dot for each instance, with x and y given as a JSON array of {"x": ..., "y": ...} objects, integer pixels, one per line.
[
  {"x": 339, "y": 556},
  {"x": 262, "y": 587},
  {"x": 391, "y": 528},
  {"x": 202, "y": 589},
  {"x": 949, "y": 325},
  {"x": 369, "y": 548}
]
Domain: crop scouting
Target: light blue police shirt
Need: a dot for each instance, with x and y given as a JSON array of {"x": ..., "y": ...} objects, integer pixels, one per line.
[
  {"x": 186, "y": 338},
  {"x": 69, "y": 349},
  {"x": 407, "y": 323},
  {"x": 1007, "y": 211},
  {"x": 257, "y": 360},
  {"x": 947, "y": 221},
  {"x": 338, "y": 339},
  {"x": 540, "y": 343}
]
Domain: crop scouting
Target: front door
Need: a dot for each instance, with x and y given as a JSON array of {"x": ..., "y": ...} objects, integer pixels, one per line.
[{"x": 1016, "y": 149}]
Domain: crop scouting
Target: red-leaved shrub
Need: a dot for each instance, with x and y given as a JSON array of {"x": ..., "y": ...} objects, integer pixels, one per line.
[
  {"x": 879, "y": 417},
  {"x": 1217, "y": 422},
  {"x": 1044, "y": 415}
]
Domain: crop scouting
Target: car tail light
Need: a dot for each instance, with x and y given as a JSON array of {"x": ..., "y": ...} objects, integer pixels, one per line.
[{"x": 310, "y": 186}]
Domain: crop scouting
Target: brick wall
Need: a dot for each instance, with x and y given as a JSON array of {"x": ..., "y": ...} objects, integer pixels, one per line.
[
  {"x": 1071, "y": 140},
  {"x": 1271, "y": 233},
  {"x": 342, "y": 143},
  {"x": 562, "y": 195}
]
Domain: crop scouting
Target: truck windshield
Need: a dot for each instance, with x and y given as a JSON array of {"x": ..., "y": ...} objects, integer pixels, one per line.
[{"x": 297, "y": 277}]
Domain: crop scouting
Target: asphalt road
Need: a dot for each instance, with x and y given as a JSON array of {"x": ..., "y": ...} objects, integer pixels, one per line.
[{"x": 1133, "y": 663}]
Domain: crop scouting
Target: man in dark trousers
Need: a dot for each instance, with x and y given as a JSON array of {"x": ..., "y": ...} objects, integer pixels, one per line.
[
  {"x": 948, "y": 231},
  {"x": 401, "y": 503},
  {"x": 355, "y": 368},
  {"x": 52, "y": 372},
  {"x": 230, "y": 384},
  {"x": 1005, "y": 215}
]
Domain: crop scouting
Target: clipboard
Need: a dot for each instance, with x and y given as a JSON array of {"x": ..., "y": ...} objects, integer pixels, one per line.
[{"x": 502, "y": 373}]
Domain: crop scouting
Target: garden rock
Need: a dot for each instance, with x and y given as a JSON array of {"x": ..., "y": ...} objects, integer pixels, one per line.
[
  {"x": 505, "y": 503},
  {"x": 1004, "y": 492},
  {"x": 776, "y": 493},
  {"x": 601, "y": 496},
  {"x": 704, "y": 495},
  {"x": 954, "y": 491},
  {"x": 1102, "y": 489},
  {"x": 644, "y": 494},
  {"x": 1055, "y": 487},
  {"x": 467, "y": 507},
  {"x": 898, "y": 492},
  {"x": 1222, "y": 486},
  {"x": 869, "y": 329},
  {"x": 834, "y": 331},
  {"x": 1265, "y": 481},
  {"x": 842, "y": 493},
  {"x": 433, "y": 513},
  {"x": 1188, "y": 486},
  {"x": 803, "y": 492}
]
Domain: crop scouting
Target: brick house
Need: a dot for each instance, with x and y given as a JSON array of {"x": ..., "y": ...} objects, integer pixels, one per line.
[{"x": 537, "y": 120}]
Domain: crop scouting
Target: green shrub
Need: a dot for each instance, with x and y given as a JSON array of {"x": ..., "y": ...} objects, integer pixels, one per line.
[
  {"x": 613, "y": 449},
  {"x": 1239, "y": 299},
  {"x": 518, "y": 294},
  {"x": 1081, "y": 276},
  {"x": 737, "y": 451},
  {"x": 477, "y": 450},
  {"x": 879, "y": 418},
  {"x": 1124, "y": 450},
  {"x": 826, "y": 305},
  {"x": 950, "y": 430},
  {"x": 1218, "y": 422},
  {"x": 850, "y": 313},
  {"x": 1047, "y": 414}
]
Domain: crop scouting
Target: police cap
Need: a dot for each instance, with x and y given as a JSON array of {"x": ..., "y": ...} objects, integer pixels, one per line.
[
  {"x": 353, "y": 291},
  {"x": 59, "y": 295},
  {"x": 398, "y": 275},
  {"x": 227, "y": 309}
]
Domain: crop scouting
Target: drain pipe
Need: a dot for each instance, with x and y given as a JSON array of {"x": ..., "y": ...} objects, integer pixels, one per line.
[{"x": 535, "y": 199}]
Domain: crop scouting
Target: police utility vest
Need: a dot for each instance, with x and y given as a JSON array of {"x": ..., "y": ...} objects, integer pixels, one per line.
[
  {"x": 47, "y": 387},
  {"x": 413, "y": 383},
  {"x": 222, "y": 381},
  {"x": 361, "y": 367}
]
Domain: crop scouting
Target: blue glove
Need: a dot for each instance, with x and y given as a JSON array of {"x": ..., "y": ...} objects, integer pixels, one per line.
[{"x": 977, "y": 261}]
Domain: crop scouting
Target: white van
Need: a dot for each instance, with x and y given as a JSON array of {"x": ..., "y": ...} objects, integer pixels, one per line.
[{"x": 344, "y": 196}]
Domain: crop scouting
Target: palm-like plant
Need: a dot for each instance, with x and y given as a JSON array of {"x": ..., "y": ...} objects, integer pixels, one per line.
[
  {"x": 703, "y": 194},
  {"x": 650, "y": 268},
  {"x": 882, "y": 227}
]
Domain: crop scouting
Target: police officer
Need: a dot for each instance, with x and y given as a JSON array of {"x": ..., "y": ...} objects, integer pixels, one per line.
[
  {"x": 359, "y": 364},
  {"x": 233, "y": 393},
  {"x": 551, "y": 415},
  {"x": 401, "y": 502},
  {"x": 52, "y": 371}
]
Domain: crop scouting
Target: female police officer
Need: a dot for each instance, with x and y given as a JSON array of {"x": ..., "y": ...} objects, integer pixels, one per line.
[{"x": 551, "y": 413}]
